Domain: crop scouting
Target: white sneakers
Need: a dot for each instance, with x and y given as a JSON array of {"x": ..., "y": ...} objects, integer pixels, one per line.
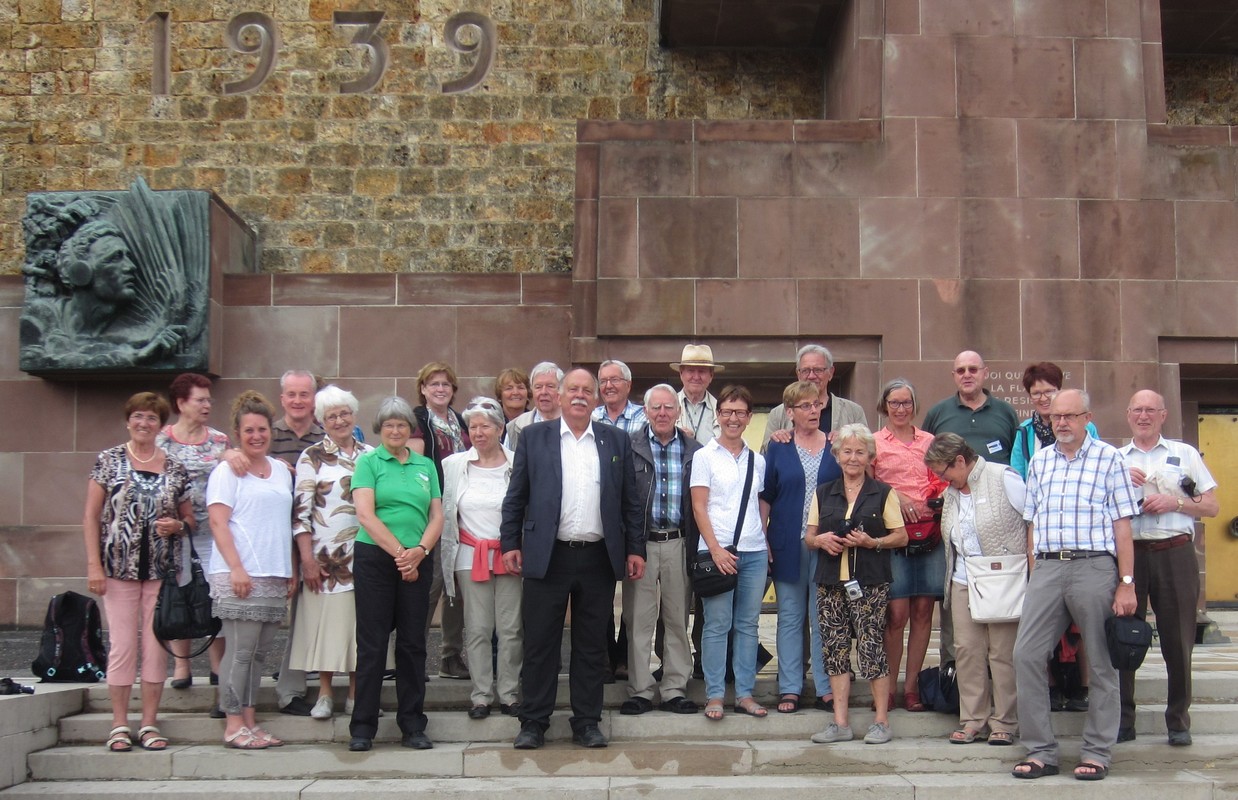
[{"x": 323, "y": 708}]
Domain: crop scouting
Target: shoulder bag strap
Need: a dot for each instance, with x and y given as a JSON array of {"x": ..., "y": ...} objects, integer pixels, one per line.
[{"x": 743, "y": 504}]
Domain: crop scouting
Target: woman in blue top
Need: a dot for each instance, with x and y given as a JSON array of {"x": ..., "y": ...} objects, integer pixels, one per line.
[
  {"x": 1041, "y": 381},
  {"x": 793, "y": 471}
]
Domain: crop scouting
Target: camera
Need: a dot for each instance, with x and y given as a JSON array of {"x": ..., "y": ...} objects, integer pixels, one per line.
[
  {"x": 854, "y": 592},
  {"x": 1187, "y": 485},
  {"x": 846, "y": 527},
  {"x": 8, "y": 686},
  {"x": 935, "y": 503}
]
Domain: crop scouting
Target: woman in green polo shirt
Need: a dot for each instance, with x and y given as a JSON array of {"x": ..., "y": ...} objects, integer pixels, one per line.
[{"x": 397, "y": 495}]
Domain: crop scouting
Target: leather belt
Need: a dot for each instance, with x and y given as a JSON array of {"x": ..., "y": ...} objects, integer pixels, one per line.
[
  {"x": 668, "y": 535},
  {"x": 1155, "y": 545},
  {"x": 577, "y": 543},
  {"x": 1072, "y": 555}
]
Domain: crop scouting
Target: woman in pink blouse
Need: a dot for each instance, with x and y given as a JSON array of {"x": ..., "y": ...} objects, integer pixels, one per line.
[{"x": 918, "y": 569}]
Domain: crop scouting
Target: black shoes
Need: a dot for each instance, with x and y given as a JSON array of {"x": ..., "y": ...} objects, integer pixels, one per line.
[
  {"x": 182, "y": 683},
  {"x": 454, "y": 667},
  {"x": 216, "y": 712},
  {"x": 635, "y": 706},
  {"x": 297, "y": 707},
  {"x": 479, "y": 712},
  {"x": 360, "y": 744},
  {"x": 1128, "y": 735},
  {"x": 509, "y": 711},
  {"x": 589, "y": 736},
  {"x": 1178, "y": 738},
  {"x": 1078, "y": 700},
  {"x": 417, "y": 740},
  {"x": 679, "y": 705},
  {"x": 529, "y": 738}
]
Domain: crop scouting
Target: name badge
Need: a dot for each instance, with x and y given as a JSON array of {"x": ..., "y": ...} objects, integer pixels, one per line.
[{"x": 995, "y": 447}]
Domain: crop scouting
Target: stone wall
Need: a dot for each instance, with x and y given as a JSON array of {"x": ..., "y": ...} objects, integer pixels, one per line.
[
  {"x": 1202, "y": 91},
  {"x": 400, "y": 179}
]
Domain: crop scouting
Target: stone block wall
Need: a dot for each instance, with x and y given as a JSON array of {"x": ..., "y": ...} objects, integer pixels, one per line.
[{"x": 1202, "y": 91}]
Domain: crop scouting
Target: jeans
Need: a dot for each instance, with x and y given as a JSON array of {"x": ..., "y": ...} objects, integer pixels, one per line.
[
  {"x": 734, "y": 614},
  {"x": 796, "y": 600}
]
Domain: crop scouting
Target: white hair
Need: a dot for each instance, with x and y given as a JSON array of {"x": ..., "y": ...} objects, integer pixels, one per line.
[
  {"x": 623, "y": 368},
  {"x": 665, "y": 387},
  {"x": 814, "y": 348},
  {"x": 332, "y": 396},
  {"x": 544, "y": 367}
]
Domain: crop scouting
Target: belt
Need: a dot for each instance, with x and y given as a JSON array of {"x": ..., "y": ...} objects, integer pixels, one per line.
[
  {"x": 576, "y": 543},
  {"x": 1155, "y": 545},
  {"x": 668, "y": 535},
  {"x": 1071, "y": 555}
]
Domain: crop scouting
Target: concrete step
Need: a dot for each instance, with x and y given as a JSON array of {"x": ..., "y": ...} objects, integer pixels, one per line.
[
  {"x": 1203, "y": 784},
  {"x": 560, "y": 758},
  {"x": 455, "y": 726}
]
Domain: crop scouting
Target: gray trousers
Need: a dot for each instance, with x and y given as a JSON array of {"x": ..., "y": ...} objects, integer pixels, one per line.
[
  {"x": 247, "y": 644},
  {"x": 1058, "y": 592},
  {"x": 493, "y": 608},
  {"x": 661, "y": 594}
]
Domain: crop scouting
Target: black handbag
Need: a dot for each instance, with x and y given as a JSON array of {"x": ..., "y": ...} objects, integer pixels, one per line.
[
  {"x": 707, "y": 579},
  {"x": 184, "y": 612},
  {"x": 1129, "y": 639}
]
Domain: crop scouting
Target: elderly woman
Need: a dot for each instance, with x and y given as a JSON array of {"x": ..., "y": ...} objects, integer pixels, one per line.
[
  {"x": 731, "y": 532},
  {"x": 137, "y": 510},
  {"x": 198, "y": 447},
  {"x": 440, "y": 432},
  {"x": 475, "y": 483},
  {"x": 793, "y": 471},
  {"x": 855, "y": 521},
  {"x": 251, "y": 568},
  {"x": 544, "y": 380},
  {"x": 399, "y": 506},
  {"x": 1041, "y": 381},
  {"x": 512, "y": 390},
  {"x": 324, "y": 635},
  {"x": 983, "y": 516},
  {"x": 917, "y": 570}
]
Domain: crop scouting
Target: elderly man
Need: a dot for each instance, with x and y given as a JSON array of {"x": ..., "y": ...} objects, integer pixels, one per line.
[
  {"x": 1177, "y": 489},
  {"x": 985, "y": 422},
  {"x": 1079, "y": 505},
  {"x": 615, "y": 380},
  {"x": 696, "y": 368},
  {"x": 663, "y": 462},
  {"x": 572, "y": 526},
  {"x": 815, "y": 364},
  {"x": 544, "y": 381}
]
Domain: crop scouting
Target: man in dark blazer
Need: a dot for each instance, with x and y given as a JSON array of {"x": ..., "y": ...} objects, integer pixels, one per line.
[{"x": 572, "y": 526}]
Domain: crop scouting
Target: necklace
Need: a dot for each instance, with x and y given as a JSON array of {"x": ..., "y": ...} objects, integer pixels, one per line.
[{"x": 137, "y": 458}]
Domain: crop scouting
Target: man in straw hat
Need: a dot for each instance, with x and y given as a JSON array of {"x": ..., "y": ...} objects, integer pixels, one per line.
[{"x": 699, "y": 415}]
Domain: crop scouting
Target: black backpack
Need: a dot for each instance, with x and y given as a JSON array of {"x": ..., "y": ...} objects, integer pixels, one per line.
[{"x": 71, "y": 649}]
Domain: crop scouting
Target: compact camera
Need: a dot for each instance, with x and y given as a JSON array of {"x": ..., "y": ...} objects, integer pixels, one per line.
[{"x": 854, "y": 592}]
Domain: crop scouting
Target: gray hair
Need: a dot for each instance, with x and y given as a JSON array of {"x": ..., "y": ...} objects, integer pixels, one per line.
[
  {"x": 592, "y": 377},
  {"x": 394, "y": 408},
  {"x": 897, "y": 383},
  {"x": 1084, "y": 396},
  {"x": 486, "y": 408},
  {"x": 623, "y": 368},
  {"x": 332, "y": 396},
  {"x": 544, "y": 367},
  {"x": 854, "y": 431},
  {"x": 296, "y": 373},
  {"x": 665, "y": 387},
  {"x": 814, "y": 348}
]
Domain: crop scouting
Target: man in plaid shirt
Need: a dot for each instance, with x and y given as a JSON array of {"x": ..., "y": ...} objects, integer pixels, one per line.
[{"x": 1079, "y": 505}]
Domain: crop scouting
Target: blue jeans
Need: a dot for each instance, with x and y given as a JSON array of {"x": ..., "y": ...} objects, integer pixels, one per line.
[
  {"x": 734, "y": 614},
  {"x": 796, "y": 600}
]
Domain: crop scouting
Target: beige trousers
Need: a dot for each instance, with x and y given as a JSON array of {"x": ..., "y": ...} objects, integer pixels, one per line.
[
  {"x": 980, "y": 649},
  {"x": 662, "y": 592},
  {"x": 492, "y": 607}
]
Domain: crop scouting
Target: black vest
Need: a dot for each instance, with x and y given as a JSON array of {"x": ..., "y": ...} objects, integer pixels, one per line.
[{"x": 869, "y": 567}]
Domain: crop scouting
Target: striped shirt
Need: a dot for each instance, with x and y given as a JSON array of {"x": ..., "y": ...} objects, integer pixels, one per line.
[
  {"x": 1072, "y": 503},
  {"x": 667, "y": 481}
]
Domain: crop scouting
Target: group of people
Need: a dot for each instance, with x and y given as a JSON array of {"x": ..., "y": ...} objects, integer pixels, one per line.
[{"x": 544, "y": 497}]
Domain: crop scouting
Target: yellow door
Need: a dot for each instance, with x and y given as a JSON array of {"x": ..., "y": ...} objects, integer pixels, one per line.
[{"x": 1218, "y": 441}]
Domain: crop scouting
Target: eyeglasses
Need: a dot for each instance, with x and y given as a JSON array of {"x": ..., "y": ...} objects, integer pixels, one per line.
[
  {"x": 1067, "y": 417},
  {"x": 737, "y": 413},
  {"x": 662, "y": 407},
  {"x": 339, "y": 416},
  {"x": 612, "y": 381},
  {"x": 816, "y": 405},
  {"x": 945, "y": 468},
  {"x": 138, "y": 416},
  {"x": 1144, "y": 412},
  {"x": 900, "y": 404},
  {"x": 968, "y": 370},
  {"x": 437, "y": 385},
  {"x": 1043, "y": 395},
  {"x": 812, "y": 370},
  {"x": 487, "y": 403}
]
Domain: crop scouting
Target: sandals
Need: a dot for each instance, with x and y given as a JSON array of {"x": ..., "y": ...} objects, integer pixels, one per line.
[
  {"x": 713, "y": 710},
  {"x": 118, "y": 740},
  {"x": 966, "y": 736},
  {"x": 263, "y": 736},
  {"x": 911, "y": 702},
  {"x": 788, "y": 704},
  {"x": 244, "y": 739},
  {"x": 750, "y": 707},
  {"x": 1001, "y": 738},
  {"x": 1098, "y": 772},
  {"x": 1034, "y": 770},
  {"x": 149, "y": 738}
]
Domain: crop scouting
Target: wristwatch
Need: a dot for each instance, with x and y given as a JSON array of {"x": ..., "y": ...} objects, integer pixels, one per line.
[
  {"x": 1180, "y": 504},
  {"x": 1128, "y": 580}
]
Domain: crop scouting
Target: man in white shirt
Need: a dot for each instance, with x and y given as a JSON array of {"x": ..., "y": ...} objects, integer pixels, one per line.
[{"x": 696, "y": 368}]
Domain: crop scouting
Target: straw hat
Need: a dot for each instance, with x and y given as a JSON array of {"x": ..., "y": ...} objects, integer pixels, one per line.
[{"x": 697, "y": 355}]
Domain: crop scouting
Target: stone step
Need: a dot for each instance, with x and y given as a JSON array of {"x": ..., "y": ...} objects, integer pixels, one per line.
[
  {"x": 560, "y": 758},
  {"x": 1202, "y": 784},
  {"x": 1208, "y": 686},
  {"x": 455, "y": 726}
]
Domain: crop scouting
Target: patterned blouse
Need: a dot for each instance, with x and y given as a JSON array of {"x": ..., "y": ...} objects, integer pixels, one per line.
[
  {"x": 132, "y": 501},
  {"x": 198, "y": 459},
  {"x": 324, "y": 509}
]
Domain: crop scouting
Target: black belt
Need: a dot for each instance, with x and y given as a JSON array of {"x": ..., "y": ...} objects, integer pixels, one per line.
[
  {"x": 668, "y": 535},
  {"x": 1156, "y": 545},
  {"x": 1072, "y": 555},
  {"x": 575, "y": 543}
]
